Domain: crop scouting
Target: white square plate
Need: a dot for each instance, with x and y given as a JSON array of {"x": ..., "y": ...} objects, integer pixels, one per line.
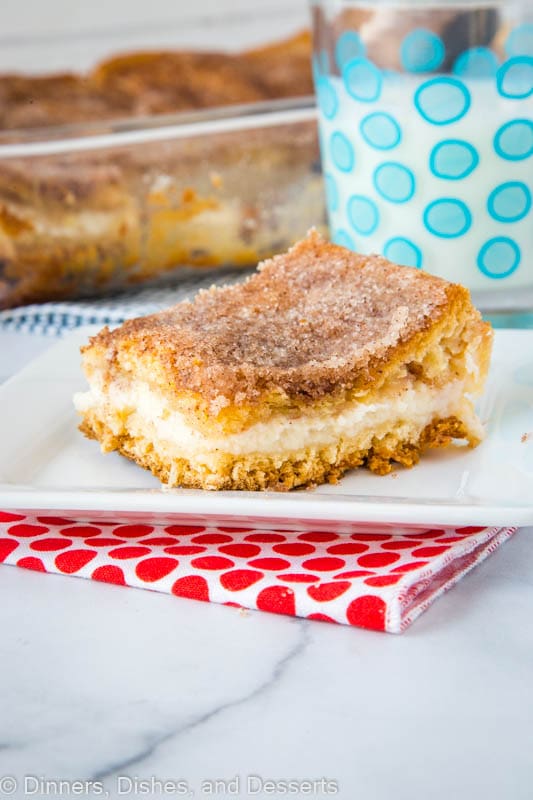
[{"x": 45, "y": 463}]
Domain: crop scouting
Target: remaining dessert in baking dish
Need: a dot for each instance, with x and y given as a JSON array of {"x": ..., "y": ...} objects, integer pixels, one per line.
[
  {"x": 86, "y": 221},
  {"x": 322, "y": 361},
  {"x": 138, "y": 84}
]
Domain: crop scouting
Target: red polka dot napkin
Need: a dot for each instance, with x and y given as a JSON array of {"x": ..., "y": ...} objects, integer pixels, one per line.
[{"x": 378, "y": 580}]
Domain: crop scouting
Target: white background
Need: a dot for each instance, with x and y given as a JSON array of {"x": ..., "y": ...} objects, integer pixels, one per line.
[{"x": 59, "y": 34}]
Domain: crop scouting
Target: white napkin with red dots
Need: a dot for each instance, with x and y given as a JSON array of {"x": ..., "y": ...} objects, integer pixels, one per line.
[{"x": 371, "y": 578}]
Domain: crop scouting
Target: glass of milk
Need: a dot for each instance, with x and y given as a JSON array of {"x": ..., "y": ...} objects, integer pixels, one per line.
[{"x": 426, "y": 133}]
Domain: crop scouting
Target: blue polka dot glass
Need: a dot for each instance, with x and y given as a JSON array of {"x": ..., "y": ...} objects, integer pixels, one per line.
[{"x": 426, "y": 129}]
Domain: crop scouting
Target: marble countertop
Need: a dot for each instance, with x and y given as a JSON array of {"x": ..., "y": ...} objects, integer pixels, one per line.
[{"x": 131, "y": 689}]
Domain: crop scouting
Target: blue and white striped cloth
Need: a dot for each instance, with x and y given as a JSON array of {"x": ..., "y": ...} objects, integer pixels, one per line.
[{"x": 54, "y": 319}]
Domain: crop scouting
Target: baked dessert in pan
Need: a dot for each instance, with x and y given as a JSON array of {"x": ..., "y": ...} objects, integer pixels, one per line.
[
  {"x": 140, "y": 84},
  {"x": 88, "y": 222},
  {"x": 322, "y": 361}
]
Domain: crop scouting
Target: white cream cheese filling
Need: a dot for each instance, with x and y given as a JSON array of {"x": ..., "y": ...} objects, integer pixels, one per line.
[{"x": 143, "y": 412}]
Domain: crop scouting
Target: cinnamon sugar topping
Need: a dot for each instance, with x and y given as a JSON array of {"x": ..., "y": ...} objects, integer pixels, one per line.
[{"x": 314, "y": 319}]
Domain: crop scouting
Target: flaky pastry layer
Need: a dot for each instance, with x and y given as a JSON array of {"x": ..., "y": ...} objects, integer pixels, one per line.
[{"x": 317, "y": 324}]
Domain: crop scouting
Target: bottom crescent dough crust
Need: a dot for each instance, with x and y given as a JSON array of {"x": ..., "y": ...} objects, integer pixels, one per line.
[{"x": 302, "y": 468}]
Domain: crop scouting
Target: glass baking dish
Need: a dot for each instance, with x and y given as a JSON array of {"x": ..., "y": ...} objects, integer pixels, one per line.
[
  {"x": 146, "y": 193},
  {"x": 99, "y": 207}
]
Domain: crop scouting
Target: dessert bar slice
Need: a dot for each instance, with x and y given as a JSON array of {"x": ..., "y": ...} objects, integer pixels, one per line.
[{"x": 322, "y": 361}]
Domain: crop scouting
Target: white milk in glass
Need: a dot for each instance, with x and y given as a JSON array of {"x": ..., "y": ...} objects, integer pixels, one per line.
[{"x": 434, "y": 170}]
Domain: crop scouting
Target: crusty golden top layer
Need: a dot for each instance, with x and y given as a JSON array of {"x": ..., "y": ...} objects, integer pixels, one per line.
[
  {"x": 141, "y": 83},
  {"x": 308, "y": 322}
]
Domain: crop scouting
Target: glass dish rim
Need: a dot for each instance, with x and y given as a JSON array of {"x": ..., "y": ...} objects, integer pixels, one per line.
[{"x": 119, "y": 132}]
